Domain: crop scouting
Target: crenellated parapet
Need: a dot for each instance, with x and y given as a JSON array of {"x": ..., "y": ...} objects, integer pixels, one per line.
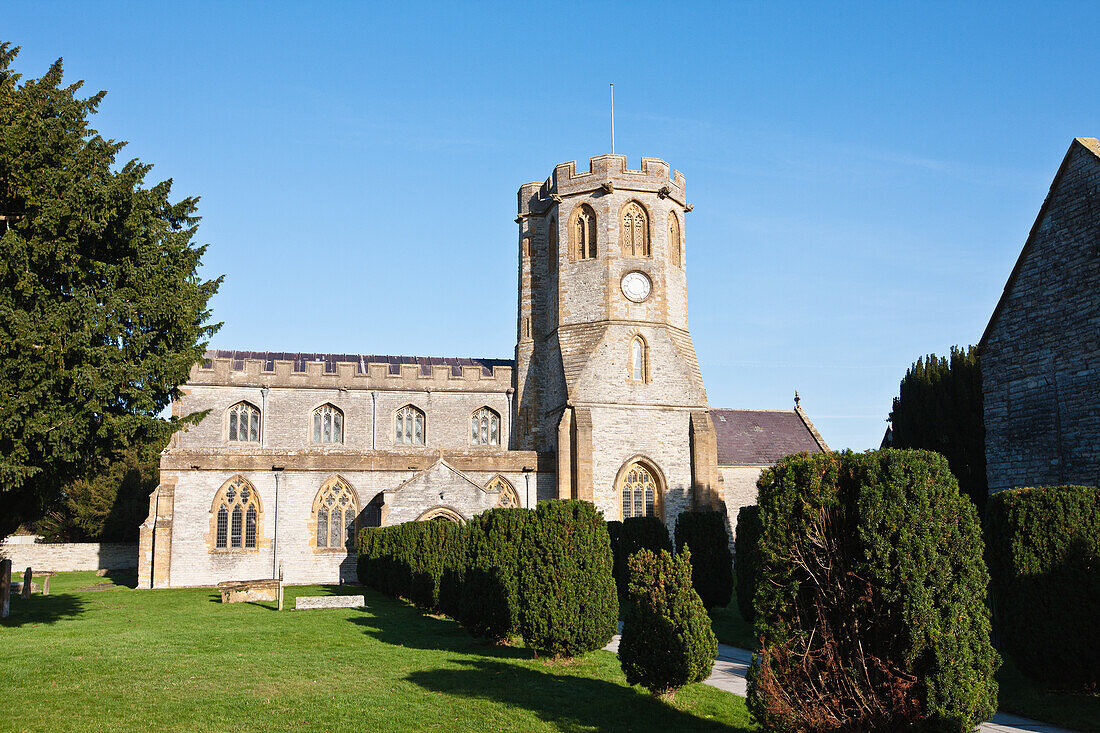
[
  {"x": 605, "y": 174},
  {"x": 352, "y": 371}
]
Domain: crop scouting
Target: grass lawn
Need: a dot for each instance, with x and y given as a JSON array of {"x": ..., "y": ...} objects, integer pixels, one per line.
[{"x": 123, "y": 659}]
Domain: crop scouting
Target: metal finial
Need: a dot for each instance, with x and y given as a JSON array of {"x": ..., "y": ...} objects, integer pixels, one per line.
[{"x": 797, "y": 399}]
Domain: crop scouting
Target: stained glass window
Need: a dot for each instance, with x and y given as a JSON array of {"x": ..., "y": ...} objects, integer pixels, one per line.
[
  {"x": 235, "y": 535},
  {"x": 485, "y": 427},
  {"x": 223, "y": 527},
  {"x": 250, "y": 528},
  {"x": 244, "y": 423},
  {"x": 328, "y": 425},
  {"x": 336, "y": 509},
  {"x": 236, "y": 524},
  {"x": 409, "y": 426},
  {"x": 639, "y": 492}
]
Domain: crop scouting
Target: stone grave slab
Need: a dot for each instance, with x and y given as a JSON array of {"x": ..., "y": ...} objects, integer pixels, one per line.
[
  {"x": 305, "y": 603},
  {"x": 245, "y": 591}
]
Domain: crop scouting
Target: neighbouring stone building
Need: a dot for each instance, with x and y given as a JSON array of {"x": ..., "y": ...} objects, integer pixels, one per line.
[
  {"x": 604, "y": 401},
  {"x": 1040, "y": 354}
]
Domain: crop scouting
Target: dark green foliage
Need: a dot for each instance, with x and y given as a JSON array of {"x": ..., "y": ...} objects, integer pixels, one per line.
[
  {"x": 746, "y": 546},
  {"x": 102, "y": 311},
  {"x": 667, "y": 641},
  {"x": 567, "y": 593},
  {"x": 871, "y": 598},
  {"x": 411, "y": 560},
  {"x": 490, "y": 596},
  {"x": 711, "y": 561},
  {"x": 939, "y": 407},
  {"x": 629, "y": 536},
  {"x": 1043, "y": 550}
]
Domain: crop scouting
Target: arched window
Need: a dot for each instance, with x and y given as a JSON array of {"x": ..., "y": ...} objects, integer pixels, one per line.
[
  {"x": 508, "y": 498},
  {"x": 334, "y": 512},
  {"x": 328, "y": 425},
  {"x": 639, "y": 492},
  {"x": 634, "y": 236},
  {"x": 441, "y": 513},
  {"x": 408, "y": 426},
  {"x": 236, "y": 515},
  {"x": 675, "y": 241},
  {"x": 584, "y": 233},
  {"x": 244, "y": 423},
  {"x": 485, "y": 427},
  {"x": 639, "y": 360}
]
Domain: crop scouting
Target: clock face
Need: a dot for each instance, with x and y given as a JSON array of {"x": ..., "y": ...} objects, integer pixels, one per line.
[{"x": 636, "y": 286}]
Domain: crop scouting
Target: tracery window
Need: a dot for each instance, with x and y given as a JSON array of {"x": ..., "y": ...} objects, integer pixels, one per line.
[
  {"x": 485, "y": 427},
  {"x": 508, "y": 498},
  {"x": 675, "y": 242},
  {"x": 328, "y": 425},
  {"x": 635, "y": 231},
  {"x": 408, "y": 426},
  {"x": 584, "y": 233},
  {"x": 236, "y": 516},
  {"x": 335, "y": 510},
  {"x": 639, "y": 492},
  {"x": 639, "y": 360},
  {"x": 244, "y": 423}
]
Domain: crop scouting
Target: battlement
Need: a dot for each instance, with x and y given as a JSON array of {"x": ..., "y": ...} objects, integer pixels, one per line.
[
  {"x": 607, "y": 173},
  {"x": 352, "y": 371}
]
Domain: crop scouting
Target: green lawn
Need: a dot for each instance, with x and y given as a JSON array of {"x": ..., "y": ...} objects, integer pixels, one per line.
[{"x": 129, "y": 659}]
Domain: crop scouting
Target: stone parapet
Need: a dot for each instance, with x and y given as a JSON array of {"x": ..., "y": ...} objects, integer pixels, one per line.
[{"x": 606, "y": 173}]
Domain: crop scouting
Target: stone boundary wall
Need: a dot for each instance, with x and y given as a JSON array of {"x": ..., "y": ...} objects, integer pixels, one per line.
[{"x": 66, "y": 556}]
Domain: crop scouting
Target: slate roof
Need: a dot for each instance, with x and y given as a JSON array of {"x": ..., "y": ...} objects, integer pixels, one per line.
[
  {"x": 761, "y": 437},
  {"x": 300, "y": 360}
]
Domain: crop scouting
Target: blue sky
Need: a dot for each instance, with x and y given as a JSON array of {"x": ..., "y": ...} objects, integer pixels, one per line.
[{"x": 863, "y": 175}]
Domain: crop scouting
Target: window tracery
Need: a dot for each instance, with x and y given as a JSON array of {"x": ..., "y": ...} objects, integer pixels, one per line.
[
  {"x": 485, "y": 427},
  {"x": 639, "y": 492},
  {"x": 328, "y": 425},
  {"x": 236, "y": 516},
  {"x": 408, "y": 426},
  {"x": 335, "y": 510},
  {"x": 508, "y": 498},
  {"x": 635, "y": 231},
  {"x": 584, "y": 233},
  {"x": 244, "y": 423}
]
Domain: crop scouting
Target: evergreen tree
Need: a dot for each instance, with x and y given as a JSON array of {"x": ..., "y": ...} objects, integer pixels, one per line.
[
  {"x": 102, "y": 310},
  {"x": 939, "y": 408}
]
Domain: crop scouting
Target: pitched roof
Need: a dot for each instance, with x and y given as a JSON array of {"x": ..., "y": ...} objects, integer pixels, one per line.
[
  {"x": 762, "y": 437},
  {"x": 300, "y": 360},
  {"x": 1090, "y": 144}
]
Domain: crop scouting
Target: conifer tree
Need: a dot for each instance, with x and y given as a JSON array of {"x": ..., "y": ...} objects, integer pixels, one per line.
[
  {"x": 939, "y": 408},
  {"x": 102, "y": 310}
]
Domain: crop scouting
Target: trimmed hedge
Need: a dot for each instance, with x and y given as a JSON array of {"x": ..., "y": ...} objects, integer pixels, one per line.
[
  {"x": 871, "y": 599},
  {"x": 410, "y": 561},
  {"x": 1043, "y": 550},
  {"x": 667, "y": 640},
  {"x": 629, "y": 536},
  {"x": 567, "y": 594},
  {"x": 746, "y": 559},
  {"x": 490, "y": 597},
  {"x": 711, "y": 562}
]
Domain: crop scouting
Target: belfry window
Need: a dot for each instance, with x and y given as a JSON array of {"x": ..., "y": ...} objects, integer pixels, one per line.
[
  {"x": 639, "y": 360},
  {"x": 584, "y": 233},
  {"x": 485, "y": 427},
  {"x": 237, "y": 515},
  {"x": 244, "y": 423},
  {"x": 335, "y": 510},
  {"x": 675, "y": 241},
  {"x": 634, "y": 235},
  {"x": 639, "y": 492},
  {"x": 408, "y": 426},
  {"x": 328, "y": 425}
]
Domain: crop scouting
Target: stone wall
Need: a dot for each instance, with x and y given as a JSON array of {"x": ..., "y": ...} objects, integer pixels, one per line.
[
  {"x": 1040, "y": 356},
  {"x": 66, "y": 556}
]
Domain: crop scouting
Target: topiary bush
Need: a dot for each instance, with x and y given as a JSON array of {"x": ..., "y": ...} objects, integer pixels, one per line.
[
  {"x": 490, "y": 596},
  {"x": 629, "y": 536},
  {"x": 1043, "y": 550},
  {"x": 667, "y": 640},
  {"x": 871, "y": 599},
  {"x": 711, "y": 561},
  {"x": 567, "y": 594},
  {"x": 410, "y": 560},
  {"x": 746, "y": 559}
]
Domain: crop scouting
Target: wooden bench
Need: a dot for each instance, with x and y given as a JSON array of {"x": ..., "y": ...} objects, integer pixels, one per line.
[{"x": 244, "y": 591}]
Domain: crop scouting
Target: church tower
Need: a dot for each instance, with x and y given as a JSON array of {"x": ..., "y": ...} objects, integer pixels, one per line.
[{"x": 606, "y": 373}]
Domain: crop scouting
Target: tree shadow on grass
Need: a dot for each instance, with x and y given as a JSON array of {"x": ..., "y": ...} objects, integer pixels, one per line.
[
  {"x": 402, "y": 624},
  {"x": 40, "y": 609},
  {"x": 571, "y": 703},
  {"x": 126, "y": 578}
]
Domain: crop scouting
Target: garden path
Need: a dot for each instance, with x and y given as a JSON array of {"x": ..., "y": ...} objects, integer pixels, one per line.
[{"x": 732, "y": 664}]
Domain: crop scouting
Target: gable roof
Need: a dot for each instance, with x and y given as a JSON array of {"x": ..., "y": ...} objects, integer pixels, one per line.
[
  {"x": 1089, "y": 144},
  {"x": 762, "y": 437}
]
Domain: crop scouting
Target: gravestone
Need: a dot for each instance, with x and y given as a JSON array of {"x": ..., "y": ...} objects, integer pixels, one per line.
[
  {"x": 5, "y": 587},
  {"x": 26, "y": 589},
  {"x": 248, "y": 591},
  {"x": 17, "y": 587},
  {"x": 304, "y": 603}
]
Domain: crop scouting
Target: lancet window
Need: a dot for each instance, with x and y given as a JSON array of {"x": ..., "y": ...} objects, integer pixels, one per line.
[
  {"x": 634, "y": 235},
  {"x": 639, "y": 360},
  {"x": 675, "y": 241},
  {"x": 584, "y": 233}
]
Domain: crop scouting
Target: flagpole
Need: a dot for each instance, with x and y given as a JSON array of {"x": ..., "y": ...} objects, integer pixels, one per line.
[{"x": 612, "y": 119}]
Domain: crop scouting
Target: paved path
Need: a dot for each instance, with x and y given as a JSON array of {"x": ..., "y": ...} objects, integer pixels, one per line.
[{"x": 732, "y": 664}]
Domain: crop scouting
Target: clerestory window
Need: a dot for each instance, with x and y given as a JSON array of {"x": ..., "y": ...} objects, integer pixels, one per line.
[
  {"x": 485, "y": 427},
  {"x": 408, "y": 426},
  {"x": 328, "y": 425},
  {"x": 244, "y": 423}
]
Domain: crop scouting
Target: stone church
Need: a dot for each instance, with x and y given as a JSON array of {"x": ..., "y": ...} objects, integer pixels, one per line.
[
  {"x": 1040, "y": 354},
  {"x": 604, "y": 401}
]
